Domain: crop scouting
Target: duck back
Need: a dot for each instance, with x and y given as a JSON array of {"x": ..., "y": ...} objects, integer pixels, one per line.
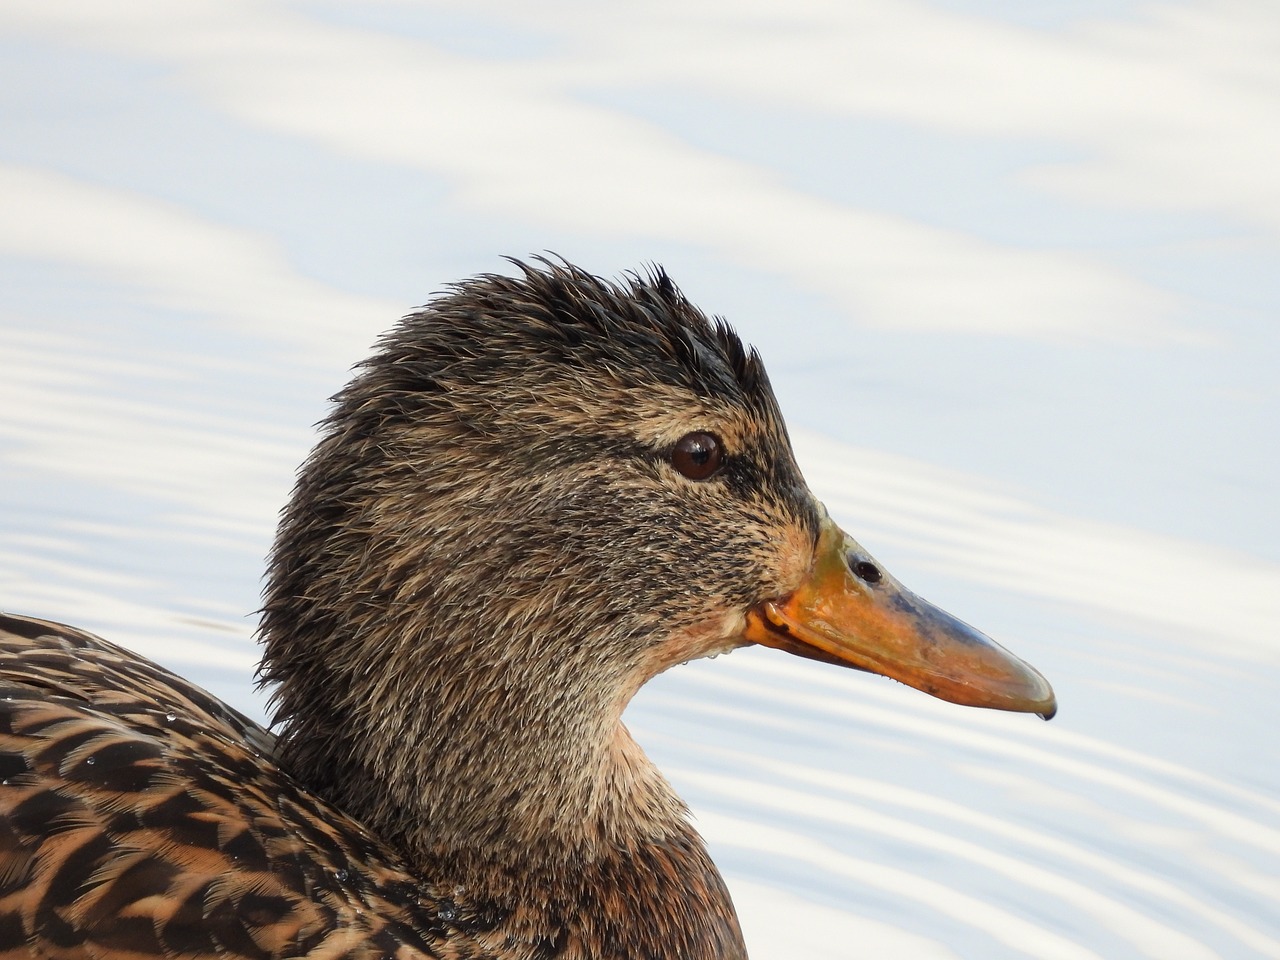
[{"x": 142, "y": 817}]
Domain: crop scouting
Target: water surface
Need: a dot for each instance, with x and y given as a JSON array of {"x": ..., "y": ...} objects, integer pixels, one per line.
[{"x": 1014, "y": 275}]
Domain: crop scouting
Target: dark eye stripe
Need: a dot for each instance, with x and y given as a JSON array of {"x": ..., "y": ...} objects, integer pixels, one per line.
[{"x": 744, "y": 474}]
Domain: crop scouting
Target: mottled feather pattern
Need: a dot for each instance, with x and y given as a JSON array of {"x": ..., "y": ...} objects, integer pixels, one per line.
[
  {"x": 486, "y": 554},
  {"x": 141, "y": 817}
]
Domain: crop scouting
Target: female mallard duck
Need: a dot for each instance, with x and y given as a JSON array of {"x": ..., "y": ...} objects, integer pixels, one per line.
[{"x": 539, "y": 492}]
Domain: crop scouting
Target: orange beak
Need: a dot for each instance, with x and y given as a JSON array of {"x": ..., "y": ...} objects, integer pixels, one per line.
[{"x": 849, "y": 611}]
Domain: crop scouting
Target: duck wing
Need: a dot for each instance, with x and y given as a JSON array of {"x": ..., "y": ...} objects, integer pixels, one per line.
[{"x": 141, "y": 817}]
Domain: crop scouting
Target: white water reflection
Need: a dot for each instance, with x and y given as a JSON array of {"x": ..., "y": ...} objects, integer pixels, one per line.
[{"x": 1013, "y": 271}]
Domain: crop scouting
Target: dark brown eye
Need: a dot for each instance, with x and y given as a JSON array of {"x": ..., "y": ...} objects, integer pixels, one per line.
[{"x": 697, "y": 455}]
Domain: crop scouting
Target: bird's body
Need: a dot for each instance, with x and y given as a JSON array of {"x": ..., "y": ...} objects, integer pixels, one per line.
[
  {"x": 143, "y": 817},
  {"x": 540, "y": 492}
]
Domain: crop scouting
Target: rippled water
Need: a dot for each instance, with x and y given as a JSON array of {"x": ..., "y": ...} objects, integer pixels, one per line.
[{"x": 1024, "y": 331}]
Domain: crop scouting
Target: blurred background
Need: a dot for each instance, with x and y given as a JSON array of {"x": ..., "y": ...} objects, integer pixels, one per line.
[{"x": 1015, "y": 270}]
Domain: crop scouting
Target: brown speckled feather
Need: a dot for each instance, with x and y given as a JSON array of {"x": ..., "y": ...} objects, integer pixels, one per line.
[
  {"x": 538, "y": 493},
  {"x": 141, "y": 817},
  {"x": 485, "y": 556}
]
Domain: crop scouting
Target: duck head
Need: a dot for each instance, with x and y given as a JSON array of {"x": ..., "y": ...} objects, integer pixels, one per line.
[{"x": 540, "y": 492}]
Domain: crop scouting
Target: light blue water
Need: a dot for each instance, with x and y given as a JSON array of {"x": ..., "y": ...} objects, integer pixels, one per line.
[{"x": 1014, "y": 277}]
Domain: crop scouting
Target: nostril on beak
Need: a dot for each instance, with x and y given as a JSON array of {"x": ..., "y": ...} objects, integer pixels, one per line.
[{"x": 864, "y": 570}]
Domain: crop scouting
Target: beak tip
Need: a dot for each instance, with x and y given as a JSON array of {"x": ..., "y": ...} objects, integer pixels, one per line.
[
  {"x": 1048, "y": 705},
  {"x": 1040, "y": 698}
]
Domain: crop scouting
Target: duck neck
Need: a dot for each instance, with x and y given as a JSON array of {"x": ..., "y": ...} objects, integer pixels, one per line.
[
  {"x": 557, "y": 822},
  {"x": 472, "y": 763},
  {"x": 529, "y": 800}
]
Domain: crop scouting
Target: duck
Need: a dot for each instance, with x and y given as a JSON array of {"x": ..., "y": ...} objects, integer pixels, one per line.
[{"x": 540, "y": 491}]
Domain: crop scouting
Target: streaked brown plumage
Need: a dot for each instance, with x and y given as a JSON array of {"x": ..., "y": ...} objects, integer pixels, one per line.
[{"x": 495, "y": 543}]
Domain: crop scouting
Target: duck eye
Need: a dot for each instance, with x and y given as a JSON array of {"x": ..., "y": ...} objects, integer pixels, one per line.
[{"x": 698, "y": 455}]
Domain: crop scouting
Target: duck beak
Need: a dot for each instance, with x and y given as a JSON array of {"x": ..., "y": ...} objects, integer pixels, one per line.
[{"x": 849, "y": 611}]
